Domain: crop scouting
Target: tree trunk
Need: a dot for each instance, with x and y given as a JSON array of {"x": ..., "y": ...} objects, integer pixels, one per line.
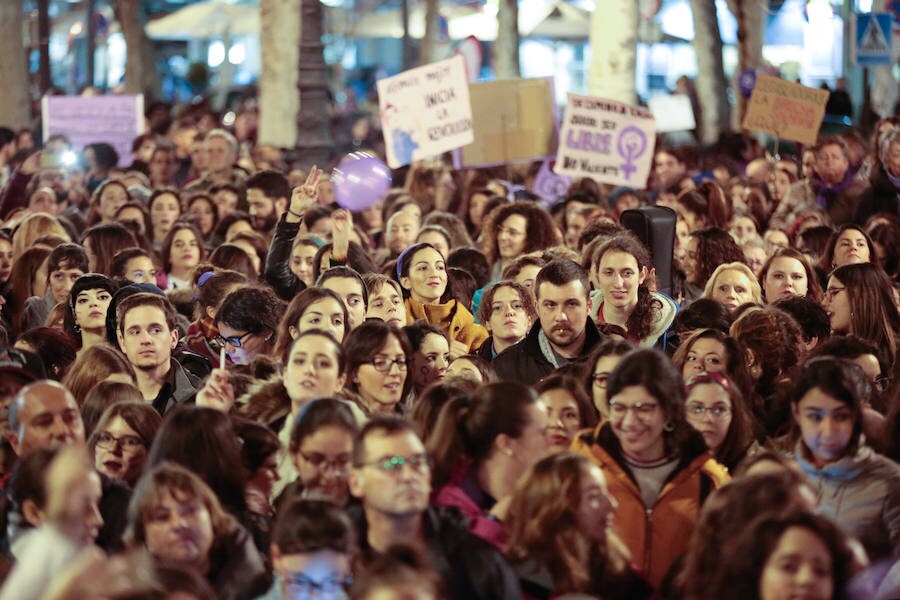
[
  {"x": 314, "y": 141},
  {"x": 279, "y": 96},
  {"x": 751, "y": 19},
  {"x": 506, "y": 46},
  {"x": 14, "y": 103},
  {"x": 613, "y": 39},
  {"x": 140, "y": 67},
  {"x": 46, "y": 81},
  {"x": 428, "y": 53},
  {"x": 711, "y": 84}
]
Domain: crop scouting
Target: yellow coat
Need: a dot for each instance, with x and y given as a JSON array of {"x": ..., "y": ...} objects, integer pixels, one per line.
[
  {"x": 656, "y": 535},
  {"x": 452, "y": 317}
]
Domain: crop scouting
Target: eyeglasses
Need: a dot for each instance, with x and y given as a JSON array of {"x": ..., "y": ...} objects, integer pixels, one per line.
[
  {"x": 510, "y": 232},
  {"x": 830, "y": 293},
  {"x": 128, "y": 443},
  {"x": 340, "y": 464},
  {"x": 383, "y": 364},
  {"x": 236, "y": 340},
  {"x": 300, "y": 585},
  {"x": 394, "y": 464},
  {"x": 600, "y": 379},
  {"x": 697, "y": 411},
  {"x": 882, "y": 383},
  {"x": 642, "y": 410}
]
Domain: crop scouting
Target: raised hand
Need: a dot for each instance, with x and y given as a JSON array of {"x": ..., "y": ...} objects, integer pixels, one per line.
[
  {"x": 341, "y": 224},
  {"x": 217, "y": 392},
  {"x": 304, "y": 196}
]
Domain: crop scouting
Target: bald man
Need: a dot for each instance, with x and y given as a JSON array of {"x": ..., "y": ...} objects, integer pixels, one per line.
[
  {"x": 45, "y": 415},
  {"x": 42, "y": 415}
]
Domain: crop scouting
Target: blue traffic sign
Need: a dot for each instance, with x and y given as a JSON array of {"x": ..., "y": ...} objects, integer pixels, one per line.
[{"x": 872, "y": 39}]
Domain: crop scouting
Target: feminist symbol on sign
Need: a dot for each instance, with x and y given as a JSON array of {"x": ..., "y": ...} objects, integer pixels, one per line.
[{"x": 632, "y": 143}]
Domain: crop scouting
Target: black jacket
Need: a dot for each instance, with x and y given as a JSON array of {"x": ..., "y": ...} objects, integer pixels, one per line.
[
  {"x": 469, "y": 567},
  {"x": 525, "y": 363},
  {"x": 278, "y": 272},
  {"x": 881, "y": 197}
]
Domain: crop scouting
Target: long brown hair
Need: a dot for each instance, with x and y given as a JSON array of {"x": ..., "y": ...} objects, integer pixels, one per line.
[{"x": 542, "y": 526}]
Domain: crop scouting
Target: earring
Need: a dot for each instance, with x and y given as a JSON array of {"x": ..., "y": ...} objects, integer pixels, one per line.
[
  {"x": 669, "y": 427},
  {"x": 756, "y": 371},
  {"x": 77, "y": 328}
]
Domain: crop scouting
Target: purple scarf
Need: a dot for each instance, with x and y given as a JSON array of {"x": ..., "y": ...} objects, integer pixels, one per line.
[{"x": 826, "y": 194}]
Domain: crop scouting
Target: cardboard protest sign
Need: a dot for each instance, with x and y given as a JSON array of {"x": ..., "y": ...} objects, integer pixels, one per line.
[
  {"x": 672, "y": 113},
  {"x": 515, "y": 120},
  {"x": 788, "y": 110},
  {"x": 425, "y": 111},
  {"x": 608, "y": 141},
  {"x": 116, "y": 120}
]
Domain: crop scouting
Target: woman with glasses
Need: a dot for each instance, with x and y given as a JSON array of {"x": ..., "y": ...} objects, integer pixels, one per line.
[
  {"x": 247, "y": 321},
  {"x": 856, "y": 488},
  {"x": 213, "y": 286},
  {"x": 121, "y": 440},
  {"x": 321, "y": 448},
  {"x": 656, "y": 465},
  {"x": 860, "y": 299},
  {"x": 714, "y": 351},
  {"x": 714, "y": 407},
  {"x": 378, "y": 360},
  {"x": 422, "y": 273},
  {"x": 481, "y": 445},
  {"x": 514, "y": 229},
  {"x": 603, "y": 360}
]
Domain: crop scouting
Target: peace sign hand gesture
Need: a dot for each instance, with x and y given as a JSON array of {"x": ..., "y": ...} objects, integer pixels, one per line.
[{"x": 304, "y": 196}]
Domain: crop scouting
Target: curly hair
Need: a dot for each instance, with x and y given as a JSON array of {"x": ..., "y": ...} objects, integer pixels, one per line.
[
  {"x": 640, "y": 321},
  {"x": 543, "y": 527},
  {"x": 485, "y": 308},
  {"x": 714, "y": 247},
  {"x": 772, "y": 342},
  {"x": 540, "y": 231}
]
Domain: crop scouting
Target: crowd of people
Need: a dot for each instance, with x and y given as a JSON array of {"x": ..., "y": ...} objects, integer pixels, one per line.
[{"x": 216, "y": 382}]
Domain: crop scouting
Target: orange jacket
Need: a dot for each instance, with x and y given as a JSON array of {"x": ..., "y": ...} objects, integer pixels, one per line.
[
  {"x": 452, "y": 317},
  {"x": 656, "y": 535}
]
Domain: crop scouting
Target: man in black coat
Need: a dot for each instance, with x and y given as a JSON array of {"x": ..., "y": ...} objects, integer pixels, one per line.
[
  {"x": 564, "y": 332},
  {"x": 392, "y": 478}
]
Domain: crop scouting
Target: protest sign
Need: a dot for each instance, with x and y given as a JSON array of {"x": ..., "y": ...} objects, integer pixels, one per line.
[
  {"x": 672, "y": 113},
  {"x": 608, "y": 141},
  {"x": 549, "y": 186},
  {"x": 116, "y": 120},
  {"x": 425, "y": 111},
  {"x": 515, "y": 120},
  {"x": 788, "y": 110}
]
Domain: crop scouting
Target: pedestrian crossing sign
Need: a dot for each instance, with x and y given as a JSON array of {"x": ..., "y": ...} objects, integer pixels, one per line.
[{"x": 872, "y": 37}]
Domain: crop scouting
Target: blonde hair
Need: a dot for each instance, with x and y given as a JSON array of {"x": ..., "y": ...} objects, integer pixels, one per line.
[
  {"x": 33, "y": 227},
  {"x": 755, "y": 289}
]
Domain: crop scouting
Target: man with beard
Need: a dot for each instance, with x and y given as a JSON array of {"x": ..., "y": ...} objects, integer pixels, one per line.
[
  {"x": 268, "y": 194},
  {"x": 392, "y": 478},
  {"x": 564, "y": 332}
]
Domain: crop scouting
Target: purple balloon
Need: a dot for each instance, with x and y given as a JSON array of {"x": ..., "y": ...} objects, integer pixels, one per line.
[{"x": 360, "y": 181}]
